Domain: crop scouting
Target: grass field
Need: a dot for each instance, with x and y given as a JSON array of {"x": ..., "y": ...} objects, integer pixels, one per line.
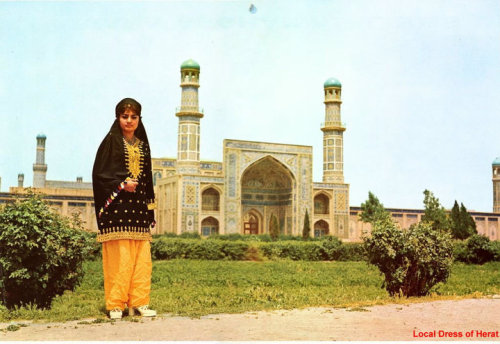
[{"x": 195, "y": 288}]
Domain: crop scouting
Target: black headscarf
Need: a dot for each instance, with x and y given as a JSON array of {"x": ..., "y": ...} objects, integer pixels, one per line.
[{"x": 109, "y": 169}]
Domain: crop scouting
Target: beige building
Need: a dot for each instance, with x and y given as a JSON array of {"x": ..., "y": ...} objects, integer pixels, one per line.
[
  {"x": 64, "y": 197},
  {"x": 487, "y": 224},
  {"x": 495, "y": 167},
  {"x": 255, "y": 181}
]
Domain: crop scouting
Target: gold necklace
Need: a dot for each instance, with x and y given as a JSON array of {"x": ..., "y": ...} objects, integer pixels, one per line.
[{"x": 133, "y": 158}]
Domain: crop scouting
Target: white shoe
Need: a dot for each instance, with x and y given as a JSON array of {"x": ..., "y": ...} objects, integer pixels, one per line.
[
  {"x": 143, "y": 311},
  {"x": 116, "y": 313}
]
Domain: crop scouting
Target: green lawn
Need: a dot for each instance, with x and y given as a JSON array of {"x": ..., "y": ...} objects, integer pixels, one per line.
[{"x": 194, "y": 288}]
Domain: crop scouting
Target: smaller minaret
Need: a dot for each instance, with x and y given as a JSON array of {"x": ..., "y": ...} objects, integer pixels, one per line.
[
  {"x": 333, "y": 131},
  {"x": 20, "y": 180},
  {"x": 188, "y": 148},
  {"x": 495, "y": 166},
  {"x": 39, "y": 167}
]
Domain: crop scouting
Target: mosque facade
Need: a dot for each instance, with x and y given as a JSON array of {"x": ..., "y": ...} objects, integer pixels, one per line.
[{"x": 255, "y": 182}]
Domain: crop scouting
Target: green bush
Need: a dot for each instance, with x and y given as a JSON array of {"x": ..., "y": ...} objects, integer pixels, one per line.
[
  {"x": 411, "y": 261},
  {"x": 94, "y": 248},
  {"x": 190, "y": 235},
  {"x": 479, "y": 249},
  {"x": 228, "y": 247},
  {"x": 41, "y": 253},
  {"x": 227, "y": 237},
  {"x": 460, "y": 251},
  {"x": 331, "y": 248},
  {"x": 176, "y": 248},
  {"x": 165, "y": 235},
  {"x": 235, "y": 250},
  {"x": 170, "y": 248},
  {"x": 495, "y": 245},
  {"x": 206, "y": 249},
  {"x": 352, "y": 252},
  {"x": 241, "y": 237}
]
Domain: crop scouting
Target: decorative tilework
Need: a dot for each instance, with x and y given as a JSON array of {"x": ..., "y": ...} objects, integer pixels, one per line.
[
  {"x": 190, "y": 194},
  {"x": 189, "y": 223},
  {"x": 340, "y": 202},
  {"x": 273, "y": 147},
  {"x": 231, "y": 187}
]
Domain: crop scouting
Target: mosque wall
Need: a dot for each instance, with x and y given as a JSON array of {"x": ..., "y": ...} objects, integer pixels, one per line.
[{"x": 269, "y": 178}]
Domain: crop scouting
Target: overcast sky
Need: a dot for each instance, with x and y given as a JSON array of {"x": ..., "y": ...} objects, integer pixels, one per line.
[{"x": 420, "y": 85}]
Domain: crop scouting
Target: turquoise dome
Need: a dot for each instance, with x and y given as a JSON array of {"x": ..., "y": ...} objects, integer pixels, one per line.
[
  {"x": 190, "y": 64},
  {"x": 332, "y": 82},
  {"x": 41, "y": 136},
  {"x": 496, "y": 162}
]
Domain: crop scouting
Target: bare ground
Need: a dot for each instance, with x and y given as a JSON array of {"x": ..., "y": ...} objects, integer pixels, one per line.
[{"x": 387, "y": 322}]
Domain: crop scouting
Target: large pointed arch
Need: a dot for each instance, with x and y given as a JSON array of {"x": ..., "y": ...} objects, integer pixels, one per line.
[{"x": 267, "y": 186}]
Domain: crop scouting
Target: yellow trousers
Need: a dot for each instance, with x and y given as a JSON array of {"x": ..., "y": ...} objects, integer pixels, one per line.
[{"x": 127, "y": 273}]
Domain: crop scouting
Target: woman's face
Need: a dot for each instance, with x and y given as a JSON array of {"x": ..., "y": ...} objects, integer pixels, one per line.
[{"x": 129, "y": 121}]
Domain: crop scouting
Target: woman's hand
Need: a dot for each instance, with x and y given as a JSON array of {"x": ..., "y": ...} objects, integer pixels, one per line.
[{"x": 130, "y": 185}]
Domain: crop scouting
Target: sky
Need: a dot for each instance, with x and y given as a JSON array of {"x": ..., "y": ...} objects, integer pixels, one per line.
[{"x": 420, "y": 85}]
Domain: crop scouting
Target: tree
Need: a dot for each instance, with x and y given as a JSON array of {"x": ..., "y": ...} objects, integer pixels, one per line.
[
  {"x": 411, "y": 261},
  {"x": 462, "y": 223},
  {"x": 455, "y": 220},
  {"x": 434, "y": 213},
  {"x": 306, "y": 230},
  {"x": 468, "y": 220},
  {"x": 274, "y": 230},
  {"x": 373, "y": 210},
  {"x": 41, "y": 253}
]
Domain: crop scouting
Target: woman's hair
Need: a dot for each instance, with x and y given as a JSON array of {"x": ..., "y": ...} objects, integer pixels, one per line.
[{"x": 127, "y": 103}]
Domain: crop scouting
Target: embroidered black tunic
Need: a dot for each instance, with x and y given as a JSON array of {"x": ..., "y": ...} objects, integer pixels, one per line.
[{"x": 121, "y": 214}]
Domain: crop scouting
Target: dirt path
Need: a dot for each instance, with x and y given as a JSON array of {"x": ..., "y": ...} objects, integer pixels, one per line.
[{"x": 388, "y": 322}]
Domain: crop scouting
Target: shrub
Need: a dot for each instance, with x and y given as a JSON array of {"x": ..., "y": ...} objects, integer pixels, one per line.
[
  {"x": 165, "y": 235},
  {"x": 170, "y": 248},
  {"x": 41, "y": 253},
  {"x": 495, "y": 245},
  {"x": 227, "y": 237},
  {"x": 288, "y": 237},
  {"x": 479, "y": 249},
  {"x": 460, "y": 251},
  {"x": 352, "y": 252},
  {"x": 411, "y": 261},
  {"x": 94, "y": 249},
  {"x": 190, "y": 235},
  {"x": 176, "y": 248},
  {"x": 331, "y": 248},
  {"x": 206, "y": 249},
  {"x": 234, "y": 250}
]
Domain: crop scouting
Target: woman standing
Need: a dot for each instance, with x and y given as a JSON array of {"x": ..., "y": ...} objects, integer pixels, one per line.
[{"x": 124, "y": 202}]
